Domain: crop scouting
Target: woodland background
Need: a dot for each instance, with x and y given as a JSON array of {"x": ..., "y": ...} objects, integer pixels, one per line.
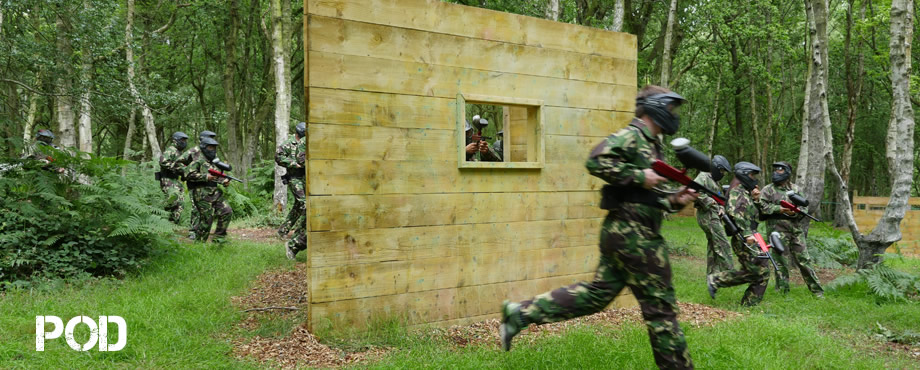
[{"x": 767, "y": 80}]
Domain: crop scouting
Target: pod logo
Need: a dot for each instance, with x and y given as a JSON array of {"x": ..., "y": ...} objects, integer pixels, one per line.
[{"x": 97, "y": 333}]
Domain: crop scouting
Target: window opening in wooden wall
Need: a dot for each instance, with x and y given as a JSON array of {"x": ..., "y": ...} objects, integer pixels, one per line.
[{"x": 500, "y": 132}]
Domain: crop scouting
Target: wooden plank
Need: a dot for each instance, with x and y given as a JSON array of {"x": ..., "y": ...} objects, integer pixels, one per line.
[
  {"x": 357, "y": 281},
  {"x": 445, "y": 305},
  {"x": 389, "y": 211},
  {"x": 365, "y": 39},
  {"x": 379, "y": 246},
  {"x": 329, "y": 70},
  {"x": 336, "y": 177},
  {"x": 373, "y": 246},
  {"x": 380, "y": 143},
  {"x": 362, "y": 108},
  {"x": 584, "y": 122},
  {"x": 441, "y": 17}
]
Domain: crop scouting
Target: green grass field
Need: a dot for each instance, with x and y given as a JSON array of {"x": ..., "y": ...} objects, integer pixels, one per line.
[{"x": 179, "y": 315}]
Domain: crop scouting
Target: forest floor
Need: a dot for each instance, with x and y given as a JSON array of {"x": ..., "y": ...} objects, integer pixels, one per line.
[{"x": 242, "y": 306}]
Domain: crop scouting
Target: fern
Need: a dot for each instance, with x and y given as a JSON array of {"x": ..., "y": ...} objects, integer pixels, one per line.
[{"x": 882, "y": 281}]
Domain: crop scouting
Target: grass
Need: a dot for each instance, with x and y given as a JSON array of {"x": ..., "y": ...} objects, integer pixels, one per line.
[
  {"x": 176, "y": 311},
  {"x": 179, "y": 316}
]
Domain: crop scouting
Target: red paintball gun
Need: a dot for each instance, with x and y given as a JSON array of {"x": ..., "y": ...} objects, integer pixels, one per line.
[{"x": 690, "y": 158}]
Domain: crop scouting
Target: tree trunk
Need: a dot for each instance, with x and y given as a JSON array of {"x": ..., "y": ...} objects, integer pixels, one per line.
[
  {"x": 146, "y": 112},
  {"x": 901, "y": 146},
  {"x": 618, "y": 12},
  {"x": 818, "y": 116},
  {"x": 668, "y": 36},
  {"x": 755, "y": 124},
  {"x": 27, "y": 133},
  {"x": 854, "y": 91},
  {"x": 131, "y": 127},
  {"x": 234, "y": 135},
  {"x": 280, "y": 15},
  {"x": 715, "y": 117},
  {"x": 552, "y": 10},
  {"x": 64, "y": 81}
]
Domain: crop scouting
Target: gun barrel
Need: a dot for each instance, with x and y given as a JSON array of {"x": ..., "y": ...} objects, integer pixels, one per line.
[{"x": 674, "y": 174}]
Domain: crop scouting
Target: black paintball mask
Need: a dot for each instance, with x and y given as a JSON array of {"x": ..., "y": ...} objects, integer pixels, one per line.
[
  {"x": 180, "y": 139},
  {"x": 745, "y": 172},
  {"x": 44, "y": 137},
  {"x": 301, "y": 129},
  {"x": 720, "y": 166},
  {"x": 661, "y": 108},
  {"x": 205, "y": 134},
  {"x": 208, "y": 153},
  {"x": 779, "y": 178}
]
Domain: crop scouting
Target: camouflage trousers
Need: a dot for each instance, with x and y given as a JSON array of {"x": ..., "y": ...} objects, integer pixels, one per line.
[
  {"x": 754, "y": 271},
  {"x": 718, "y": 247},
  {"x": 211, "y": 205},
  {"x": 798, "y": 253},
  {"x": 298, "y": 241},
  {"x": 297, "y": 209},
  {"x": 175, "y": 196},
  {"x": 194, "y": 217},
  {"x": 633, "y": 254}
]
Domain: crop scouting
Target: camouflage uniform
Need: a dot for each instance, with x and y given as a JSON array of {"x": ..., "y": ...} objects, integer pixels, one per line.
[
  {"x": 170, "y": 173},
  {"x": 298, "y": 241},
  {"x": 286, "y": 156},
  {"x": 754, "y": 271},
  {"x": 208, "y": 199},
  {"x": 718, "y": 248},
  {"x": 186, "y": 159},
  {"x": 793, "y": 237},
  {"x": 39, "y": 151},
  {"x": 633, "y": 252}
]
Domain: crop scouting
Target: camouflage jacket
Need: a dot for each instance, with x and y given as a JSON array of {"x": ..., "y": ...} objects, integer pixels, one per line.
[
  {"x": 743, "y": 210},
  {"x": 170, "y": 166},
  {"x": 286, "y": 154},
  {"x": 190, "y": 155},
  {"x": 769, "y": 206},
  {"x": 621, "y": 158},
  {"x": 300, "y": 154},
  {"x": 39, "y": 151},
  {"x": 705, "y": 202},
  {"x": 196, "y": 173},
  {"x": 490, "y": 156}
]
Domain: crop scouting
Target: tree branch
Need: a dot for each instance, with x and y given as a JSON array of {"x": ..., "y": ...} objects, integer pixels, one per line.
[
  {"x": 272, "y": 308},
  {"x": 27, "y": 87}
]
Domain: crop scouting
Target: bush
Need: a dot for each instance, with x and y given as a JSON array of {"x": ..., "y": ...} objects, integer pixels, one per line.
[
  {"x": 833, "y": 251},
  {"x": 886, "y": 283},
  {"x": 89, "y": 220}
]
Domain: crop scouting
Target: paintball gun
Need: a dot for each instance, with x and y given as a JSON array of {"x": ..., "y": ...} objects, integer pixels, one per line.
[
  {"x": 690, "y": 158},
  {"x": 220, "y": 174},
  {"x": 797, "y": 201},
  {"x": 764, "y": 249}
]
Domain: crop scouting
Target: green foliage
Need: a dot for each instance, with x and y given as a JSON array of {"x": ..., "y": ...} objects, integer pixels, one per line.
[
  {"x": 885, "y": 283},
  {"x": 904, "y": 337},
  {"x": 77, "y": 218},
  {"x": 833, "y": 251}
]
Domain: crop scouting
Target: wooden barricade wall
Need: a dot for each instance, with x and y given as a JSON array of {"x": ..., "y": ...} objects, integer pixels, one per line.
[
  {"x": 395, "y": 228},
  {"x": 868, "y": 210}
]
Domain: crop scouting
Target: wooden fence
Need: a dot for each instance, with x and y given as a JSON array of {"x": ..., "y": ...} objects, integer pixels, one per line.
[{"x": 868, "y": 210}]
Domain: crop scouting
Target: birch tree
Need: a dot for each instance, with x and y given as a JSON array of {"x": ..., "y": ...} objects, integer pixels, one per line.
[
  {"x": 281, "y": 43},
  {"x": 817, "y": 111},
  {"x": 900, "y": 145},
  {"x": 668, "y": 36}
]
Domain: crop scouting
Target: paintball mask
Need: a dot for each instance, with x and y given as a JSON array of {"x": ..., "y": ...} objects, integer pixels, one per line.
[
  {"x": 44, "y": 136},
  {"x": 301, "y": 129},
  {"x": 210, "y": 154},
  {"x": 745, "y": 172},
  {"x": 180, "y": 139},
  {"x": 780, "y": 177},
  {"x": 720, "y": 166},
  {"x": 661, "y": 108}
]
